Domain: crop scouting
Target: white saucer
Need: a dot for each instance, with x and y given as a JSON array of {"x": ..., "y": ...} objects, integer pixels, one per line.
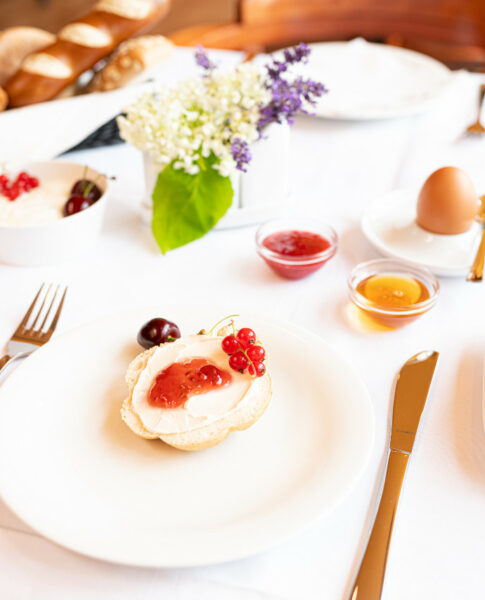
[{"x": 390, "y": 226}]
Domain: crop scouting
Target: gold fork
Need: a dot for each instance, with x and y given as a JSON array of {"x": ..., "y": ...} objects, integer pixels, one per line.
[
  {"x": 28, "y": 338},
  {"x": 477, "y": 128}
]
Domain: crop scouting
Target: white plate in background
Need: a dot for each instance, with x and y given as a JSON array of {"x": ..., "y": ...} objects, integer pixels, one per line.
[
  {"x": 374, "y": 81},
  {"x": 72, "y": 470}
]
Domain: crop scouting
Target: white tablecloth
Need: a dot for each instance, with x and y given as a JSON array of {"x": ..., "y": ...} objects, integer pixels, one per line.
[{"x": 438, "y": 545}]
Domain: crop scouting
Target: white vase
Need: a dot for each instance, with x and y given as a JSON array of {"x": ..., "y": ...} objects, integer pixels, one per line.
[{"x": 260, "y": 193}]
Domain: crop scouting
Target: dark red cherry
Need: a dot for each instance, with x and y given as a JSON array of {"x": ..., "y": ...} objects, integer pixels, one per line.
[
  {"x": 86, "y": 188},
  {"x": 156, "y": 332},
  {"x": 76, "y": 204}
]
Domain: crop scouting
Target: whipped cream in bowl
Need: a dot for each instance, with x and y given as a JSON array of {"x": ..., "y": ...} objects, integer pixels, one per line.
[
  {"x": 33, "y": 229},
  {"x": 41, "y": 205}
]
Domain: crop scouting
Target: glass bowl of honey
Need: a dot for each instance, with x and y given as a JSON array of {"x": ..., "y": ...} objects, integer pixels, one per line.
[{"x": 391, "y": 292}]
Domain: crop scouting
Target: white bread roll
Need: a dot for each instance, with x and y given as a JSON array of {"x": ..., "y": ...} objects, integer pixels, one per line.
[{"x": 129, "y": 60}]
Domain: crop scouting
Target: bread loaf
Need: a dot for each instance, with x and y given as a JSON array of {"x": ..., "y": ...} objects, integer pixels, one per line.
[
  {"x": 79, "y": 46},
  {"x": 18, "y": 42},
  {"x": 3, "y": 99},
  {"x": 130, "y": 60}
]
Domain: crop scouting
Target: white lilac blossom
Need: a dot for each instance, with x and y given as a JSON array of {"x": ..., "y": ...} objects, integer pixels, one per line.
[{"x": 221, "y": 113}]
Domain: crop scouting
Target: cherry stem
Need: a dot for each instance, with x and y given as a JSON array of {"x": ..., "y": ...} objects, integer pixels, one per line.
[
  {"x": 246, "y": 355},
  {"x": 90, "y": 185},
  {"x": 221, "y": 321}
]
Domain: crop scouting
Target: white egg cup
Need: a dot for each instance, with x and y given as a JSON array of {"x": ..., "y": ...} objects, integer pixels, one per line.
[{"x": 390, "y": 226}]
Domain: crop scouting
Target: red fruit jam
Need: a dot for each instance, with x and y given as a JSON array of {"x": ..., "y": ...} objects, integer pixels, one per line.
[
  {"x": 177, "y": 383},
  {"x": 298, "y": 252}
]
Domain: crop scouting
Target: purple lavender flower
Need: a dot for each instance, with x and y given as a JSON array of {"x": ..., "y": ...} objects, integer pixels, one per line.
[
  {"x": 202, "y": 60},
  {"x": 297, "y": 54},
  {"x": 309, "y": 89},
  {"x": 287, "y": 96},
  {"x": 241, "y": 153}
]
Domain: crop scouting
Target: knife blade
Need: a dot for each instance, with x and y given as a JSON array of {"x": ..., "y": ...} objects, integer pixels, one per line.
[{"x": 412, "y": 387}]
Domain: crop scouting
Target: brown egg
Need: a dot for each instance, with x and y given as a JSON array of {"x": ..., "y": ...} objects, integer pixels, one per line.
[{"x": 447, "y": 202}]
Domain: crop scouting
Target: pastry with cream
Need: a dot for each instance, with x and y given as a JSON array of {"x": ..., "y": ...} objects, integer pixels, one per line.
[{"x": 192, "y": 392}]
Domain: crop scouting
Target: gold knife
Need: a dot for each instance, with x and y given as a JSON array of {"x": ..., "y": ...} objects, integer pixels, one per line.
[{"x": 410, "y": 395}]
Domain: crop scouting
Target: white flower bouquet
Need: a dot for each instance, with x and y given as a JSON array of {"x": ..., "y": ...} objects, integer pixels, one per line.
[{"x": 199, "y": 133}]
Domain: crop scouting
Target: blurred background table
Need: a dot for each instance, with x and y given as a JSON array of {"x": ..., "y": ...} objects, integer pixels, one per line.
[
  {"x": 337, "y": 168},
  {"x": 452, "y": 31}
]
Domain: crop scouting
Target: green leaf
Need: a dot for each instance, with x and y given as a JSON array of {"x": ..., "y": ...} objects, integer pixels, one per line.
[{"x": 186, "y": 207}]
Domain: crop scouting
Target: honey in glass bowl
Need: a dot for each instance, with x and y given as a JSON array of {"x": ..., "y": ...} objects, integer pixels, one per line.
[{"x": 392, "y": 293}]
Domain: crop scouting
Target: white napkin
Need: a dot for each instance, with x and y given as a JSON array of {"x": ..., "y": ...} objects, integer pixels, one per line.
[
  {"x": 42, "y": 131},
  {"x": 45, "y": 130}
]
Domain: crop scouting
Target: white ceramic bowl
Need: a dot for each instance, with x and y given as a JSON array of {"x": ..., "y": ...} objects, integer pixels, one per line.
[{"x": 61, "y": 240}]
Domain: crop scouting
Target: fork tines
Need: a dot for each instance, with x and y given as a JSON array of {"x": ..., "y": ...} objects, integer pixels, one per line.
[{"x": 50, "y": 297}]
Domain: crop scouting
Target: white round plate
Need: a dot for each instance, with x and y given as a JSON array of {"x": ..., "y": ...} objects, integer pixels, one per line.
[
  {"x": 71, "y": 469},
  {"x": 374, "y": 81},
  {"x": 390, "y": 226}
]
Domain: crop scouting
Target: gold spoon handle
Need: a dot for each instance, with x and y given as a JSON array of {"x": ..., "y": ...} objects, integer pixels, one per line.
[{"x": 476, "y": 272}]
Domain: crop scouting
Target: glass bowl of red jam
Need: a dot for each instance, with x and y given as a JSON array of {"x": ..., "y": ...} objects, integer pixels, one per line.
[
  {"x": 296, "y": 248},
  {"x": 391, "y": 292}
]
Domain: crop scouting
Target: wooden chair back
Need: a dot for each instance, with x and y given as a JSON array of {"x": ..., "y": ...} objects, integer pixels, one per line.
[{"x": 456, "y": 28}]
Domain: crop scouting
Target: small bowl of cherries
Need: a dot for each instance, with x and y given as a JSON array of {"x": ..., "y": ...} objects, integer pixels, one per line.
[{"x": 50, "y": 212}]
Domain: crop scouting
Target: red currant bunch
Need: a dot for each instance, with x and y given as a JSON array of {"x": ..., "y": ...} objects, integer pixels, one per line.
[
  {"x": 244, "y": 352},
  {"x": 22, "y": 183}
]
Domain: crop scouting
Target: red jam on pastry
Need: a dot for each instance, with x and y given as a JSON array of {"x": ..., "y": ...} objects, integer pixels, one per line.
[{"x": 174, "y": 385}]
